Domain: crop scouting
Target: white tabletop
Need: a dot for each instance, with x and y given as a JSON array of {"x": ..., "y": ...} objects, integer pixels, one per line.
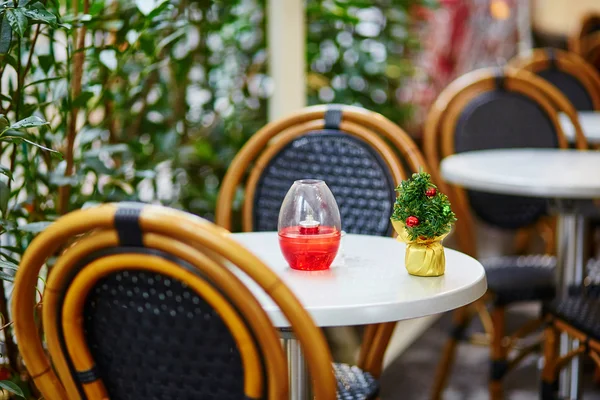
[
  {"x": 368, "y": 283},
  {"x": 548, "y": 173},
  {"x": 590, "y": 124}
]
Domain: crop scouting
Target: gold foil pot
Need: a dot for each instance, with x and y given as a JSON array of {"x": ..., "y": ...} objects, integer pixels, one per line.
[{"x": 424, "y": 257}]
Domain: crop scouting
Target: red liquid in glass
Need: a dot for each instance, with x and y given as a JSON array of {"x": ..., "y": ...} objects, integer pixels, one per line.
[{"x": 311, "y": 251}]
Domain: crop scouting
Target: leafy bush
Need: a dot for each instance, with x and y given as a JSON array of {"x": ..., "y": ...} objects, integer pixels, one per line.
[{"x": 150, "y": 100}]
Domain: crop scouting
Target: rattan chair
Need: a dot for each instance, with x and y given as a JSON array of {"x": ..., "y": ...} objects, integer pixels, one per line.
[
  {"x": 486, "y": 109},
  {"x": 591, "y": 49},
  {"x": 588, "y": 25},
  {"x": 577, "y": 315},
  {"x": 569, "y": 72},
  {"x": 145, "y": 303},
  {"x": 361, "y": 155}
]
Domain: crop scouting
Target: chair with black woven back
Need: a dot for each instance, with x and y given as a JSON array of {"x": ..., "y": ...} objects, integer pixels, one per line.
[
  {"x": 361, "y": 155},
  {"x": 578, "y": 316},
  {"x": 487, "y": 109},
  {"x": 144, "y": 302},
  {"x": 569, "y": 72}
]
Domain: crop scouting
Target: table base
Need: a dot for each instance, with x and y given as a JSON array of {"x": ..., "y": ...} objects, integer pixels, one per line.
[
  {"x": 571, "y": 256},
  {"x": 299, "y": 378}
]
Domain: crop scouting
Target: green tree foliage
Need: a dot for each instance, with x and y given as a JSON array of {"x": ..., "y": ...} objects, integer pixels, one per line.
[
  {"x": 435, "y": 217},
  {"x": 358, "y": 51},
  {"x": 120, "y": 100}
]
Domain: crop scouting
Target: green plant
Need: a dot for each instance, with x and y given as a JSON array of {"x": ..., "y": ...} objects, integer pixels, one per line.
[
  {"x": 116, "y": 100},
  {"x": 422, "y": 208},
  {"x": 358, "y": 53}
]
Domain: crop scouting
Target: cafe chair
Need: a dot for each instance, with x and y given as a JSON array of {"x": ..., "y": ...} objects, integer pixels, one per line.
[
  {"x": 360, "y": 154},
  {"x": 569, "y": 72},
  {"x": 577, "y": 315},
  {"x": 146, "y": 302},
  {"x": 490, "y": 109},
  {"x": 591, "y": 50},
  {"x": 589, "y": 24}
]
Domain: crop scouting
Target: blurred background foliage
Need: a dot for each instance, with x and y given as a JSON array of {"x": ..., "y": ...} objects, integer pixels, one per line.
[{"x": 150, "y": 100}]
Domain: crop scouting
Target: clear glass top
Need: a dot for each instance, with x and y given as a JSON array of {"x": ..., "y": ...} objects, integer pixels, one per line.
[{"x": 309, "y": 208}]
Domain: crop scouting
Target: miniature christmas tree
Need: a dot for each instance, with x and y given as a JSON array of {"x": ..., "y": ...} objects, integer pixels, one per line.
[
  {"x": 422, "y": 217},
  {"x": 424, "y": 210}
]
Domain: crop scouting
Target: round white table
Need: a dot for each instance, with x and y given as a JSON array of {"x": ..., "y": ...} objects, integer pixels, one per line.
[
  {"x": 570, "y": 177},
  {"x": 590, "y": 124},
  {"x": 366, "y": 284}
]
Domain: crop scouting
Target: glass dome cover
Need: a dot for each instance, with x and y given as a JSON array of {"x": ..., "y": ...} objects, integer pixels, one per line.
[{"x": 309, "y": 225}]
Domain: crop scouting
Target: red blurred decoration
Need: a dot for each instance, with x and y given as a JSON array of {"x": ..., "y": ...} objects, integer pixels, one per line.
[
  {"x": 430, "y": 192},
  {"x": 4, "y": 374},
  {"x": 309, "y": 251},
  {"x": 457, "y": 37},
  {"x": 412, "y": 222}
]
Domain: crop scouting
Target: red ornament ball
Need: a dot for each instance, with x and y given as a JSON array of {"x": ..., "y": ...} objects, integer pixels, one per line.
[
  {"x": 412, "y": 222},
  {"x": 430, "y": 192}
]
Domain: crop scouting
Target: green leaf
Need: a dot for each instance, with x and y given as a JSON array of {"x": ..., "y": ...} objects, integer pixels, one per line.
[
  {"x": 35, "y": 227},
  {"x": 5, "y": 98},
  {"x": 10, "y": 60},
  {"x": 4, "y": 196},
  {"x": 5, "y": 171},
  {"x": 9, "y": 278},
  {"x": 12, "y": 388},
  {"x": 29, "y": 122},
  {"x": 41, "y": 15},
  {"x": 53, "y": 152},
  {"x": 97, "y": 7},
  {"x": 17, "y": 20},
  {"x": 8, "y": 265},
  {"x": 3, "y": 122},
  {"x": 82, "y": 99},
  {"x": 55, "y": 78},
  {"x": 46, "y": 62},
  {"x": 5, "y": 36}
]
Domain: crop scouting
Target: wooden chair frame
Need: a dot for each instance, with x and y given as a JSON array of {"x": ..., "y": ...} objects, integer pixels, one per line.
[
  {"x": 86, "y": 279},
  {"x": 375, "y": 129},
  {"x": 554, "y": 363},
  {"x": 587, "y": 22},
  {"x": 590, "y": 46},
  {"x": 210, "y": 267},
  {"x": 439, "y": 142},
  {"x": 354, "y": 119},
  {"x": 283, "y": 139},
  {"x": 570, "y": 63},
  {"x": 192, "y": 239}
]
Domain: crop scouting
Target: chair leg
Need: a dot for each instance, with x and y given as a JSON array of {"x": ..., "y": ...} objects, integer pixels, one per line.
[
  {"x": 372, "y": 361},
  {"x": 499, "y": 364},
  {"x": 549, "y": 389},
  {"x": 461, "y": 319},
  {"x": 365, "y": 346}
]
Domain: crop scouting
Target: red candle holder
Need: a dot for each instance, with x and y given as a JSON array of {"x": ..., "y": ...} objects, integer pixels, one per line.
[{"x": 309, "y": 226}]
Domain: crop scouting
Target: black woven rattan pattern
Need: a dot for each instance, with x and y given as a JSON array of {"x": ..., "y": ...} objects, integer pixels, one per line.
[
  {"x": 570, "y": 87},
  {"x": 526, "y": 278},
  {"x": 354, "y": 384},
  {"x": 582, "y": 312},
  {"x": 358, "y": 178},
  {"x": 496, "y": 120},
  {"x": 154, "y": 338}
]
